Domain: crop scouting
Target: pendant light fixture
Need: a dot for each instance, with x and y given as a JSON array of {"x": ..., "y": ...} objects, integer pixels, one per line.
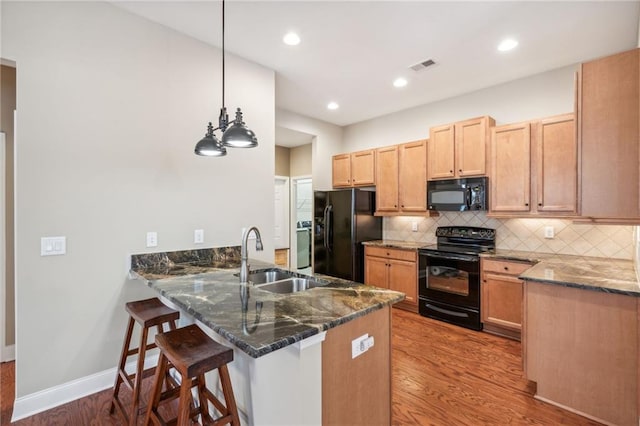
[{"x": 236, "y": 135}]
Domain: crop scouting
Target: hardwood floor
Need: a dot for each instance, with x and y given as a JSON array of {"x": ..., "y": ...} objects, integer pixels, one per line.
[{"x": 442, "y": 375}]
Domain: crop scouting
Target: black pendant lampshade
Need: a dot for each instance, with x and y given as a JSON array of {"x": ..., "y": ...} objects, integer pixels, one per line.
[{"x": 235, "y": 135}]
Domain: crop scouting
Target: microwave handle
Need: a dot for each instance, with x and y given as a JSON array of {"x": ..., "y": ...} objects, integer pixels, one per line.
[{"x": 468, "y": 198}]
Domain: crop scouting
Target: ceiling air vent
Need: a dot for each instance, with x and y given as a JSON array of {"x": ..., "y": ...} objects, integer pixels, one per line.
[{"x": 422, "y": 65}]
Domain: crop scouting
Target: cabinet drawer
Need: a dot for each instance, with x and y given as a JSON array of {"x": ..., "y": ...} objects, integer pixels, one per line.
[
  {"x": 389, "y": 253},
  {"x": 504, "y": 267}
]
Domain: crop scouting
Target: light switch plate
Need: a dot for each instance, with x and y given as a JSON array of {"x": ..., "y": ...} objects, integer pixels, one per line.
[
  {"x": 53, "y": 246},
  {"x": 152, "y": 239},
  {"x": 549, "y": 232},
  {"x": 198, "y": 236},
  {"x": 414, "y": 226}
]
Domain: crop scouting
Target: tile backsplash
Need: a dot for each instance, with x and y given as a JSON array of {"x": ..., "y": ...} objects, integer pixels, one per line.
[{"x": 617, "y": 241}]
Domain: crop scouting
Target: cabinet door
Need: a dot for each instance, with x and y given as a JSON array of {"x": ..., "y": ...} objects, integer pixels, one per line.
[
  {"x": 609, "y": 122},
  {"x": 510, "y": 168},
  {"x": 376, "y": 271},
  {"x": 441, "y": 152},
  {"x": 363, "y": 168},
  {"x": 557, "y": 164},
  {"x": 413, "y": 176},
  {"x": 341, "y": 170},
  {"x": 387, "y": 179},
  {"x": 502, "y": 301},
  {"x": 403, "y": 277},
  {"x": 471, "y": 146}
]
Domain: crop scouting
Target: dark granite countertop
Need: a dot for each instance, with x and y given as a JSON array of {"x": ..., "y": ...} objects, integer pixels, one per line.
[
  {"x": 256, "y": 321},
  {"x": 407, "y": 245},
  {"x": 589, "y": 273}
]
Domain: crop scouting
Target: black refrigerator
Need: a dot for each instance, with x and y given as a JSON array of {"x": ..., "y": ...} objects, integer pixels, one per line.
[{"x": 342, "y": 220}]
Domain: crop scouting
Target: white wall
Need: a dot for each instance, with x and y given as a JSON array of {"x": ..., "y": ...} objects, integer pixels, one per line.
[
  {"x": 110, "y": 108},
  {"x": 327, "y": 142},
  {"x": 541, "y": 95}
]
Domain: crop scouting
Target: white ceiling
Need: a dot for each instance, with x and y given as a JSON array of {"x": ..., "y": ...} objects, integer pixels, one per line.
[{"x": 352, "y": 51}]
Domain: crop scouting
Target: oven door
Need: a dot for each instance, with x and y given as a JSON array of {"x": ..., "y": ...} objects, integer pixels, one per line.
[{"x": 450, "y": 278}]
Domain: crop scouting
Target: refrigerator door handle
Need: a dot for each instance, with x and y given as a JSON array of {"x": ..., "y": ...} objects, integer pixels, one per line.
[
  {"x": 324, "y": 228},
  {"x": 327, "y": 227}
]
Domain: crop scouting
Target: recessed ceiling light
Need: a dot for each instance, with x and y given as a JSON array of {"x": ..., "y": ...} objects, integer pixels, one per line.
[
  {"x": 507, "y": 44},
  {"x": 333, "y": 105},
  {"x": 400, "y": 82},
  {"x": 292, "y": 39}
]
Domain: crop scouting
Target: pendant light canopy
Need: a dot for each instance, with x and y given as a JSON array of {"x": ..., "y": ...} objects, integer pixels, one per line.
[{"x": 236, "y": 135}]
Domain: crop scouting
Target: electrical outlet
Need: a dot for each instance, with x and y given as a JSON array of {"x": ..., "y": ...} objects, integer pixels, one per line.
[
  {"x": 357, "y": 346},
  {"x": 198, "y": 236},
  {"x": 152, "y": 239},
  {"x": 414, "y": 226},
  {"x": 549, "y": 232},
  {"x": 361, "y": 344}
]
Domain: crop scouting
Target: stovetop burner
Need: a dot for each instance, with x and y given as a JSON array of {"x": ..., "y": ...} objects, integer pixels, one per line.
[{"x": 463, "y": 240}]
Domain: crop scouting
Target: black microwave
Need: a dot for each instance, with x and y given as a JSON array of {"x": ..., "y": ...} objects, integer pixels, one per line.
[{"x": 457, "y": 194}]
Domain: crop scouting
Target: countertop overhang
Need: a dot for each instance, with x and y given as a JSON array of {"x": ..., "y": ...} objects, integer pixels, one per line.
[{"x": 258, "y": 321}]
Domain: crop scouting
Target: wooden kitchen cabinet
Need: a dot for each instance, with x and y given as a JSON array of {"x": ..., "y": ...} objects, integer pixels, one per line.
[
  {"x": 510, "y": 168},
  {"x": 460, "y": 149},
  {"x": 401, "y": 176},
  {"x": 534, "y": 168},
  {"x": 501, "y": 297},
  {"x": 395, "y": 269},
  {"x": 556, "y": 165},
  {"x": 609, "y": 123},
  {"x": 387, "y": 179},
  {"x": 354, "y": 169}
]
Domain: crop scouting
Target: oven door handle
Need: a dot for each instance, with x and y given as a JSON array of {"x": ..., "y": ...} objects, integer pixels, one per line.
[{"x": 452, "y": 257}]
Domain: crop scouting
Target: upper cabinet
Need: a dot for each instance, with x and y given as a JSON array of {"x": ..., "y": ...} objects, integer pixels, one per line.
[
  {"x": 354, "y": 169},
  {"x": 510, "y": 168},
  {"x": 534, "y": 168},
  {"x": 556, "y": 164},
  {"x": 608, "y": 105},
  {"x": 401, "y": 176},
  {"x": 459, "y": 149}
]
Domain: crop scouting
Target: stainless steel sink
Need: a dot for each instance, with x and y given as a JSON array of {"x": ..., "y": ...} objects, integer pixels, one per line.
[
  {"x": 269, "y": 276},
  {"x": 282, "y": 281},
  {"x": 290, "y": 285}
]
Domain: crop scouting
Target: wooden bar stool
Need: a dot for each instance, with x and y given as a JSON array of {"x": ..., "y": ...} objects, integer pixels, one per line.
[
  {"x": 147, "y": 313},
  {"x": 192, "y": 353}
]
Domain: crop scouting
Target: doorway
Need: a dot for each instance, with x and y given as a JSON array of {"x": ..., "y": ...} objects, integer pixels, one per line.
[
  {"x": 7, "y": 287},
  {"x": 301, "y": 223}
]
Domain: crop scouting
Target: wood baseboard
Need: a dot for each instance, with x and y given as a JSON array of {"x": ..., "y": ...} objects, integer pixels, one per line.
[{"x": 503, "y": 332}]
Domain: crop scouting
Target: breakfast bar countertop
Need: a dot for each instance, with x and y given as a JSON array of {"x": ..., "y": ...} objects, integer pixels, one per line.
[{"x": 258, "y": 322}]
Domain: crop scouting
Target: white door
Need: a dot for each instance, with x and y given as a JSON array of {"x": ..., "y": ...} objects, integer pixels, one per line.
[{"x": 281, "y": 232}]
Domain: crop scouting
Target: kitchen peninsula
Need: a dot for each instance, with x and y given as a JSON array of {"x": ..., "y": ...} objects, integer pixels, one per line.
[
  {"x": 581, "y": 332},
  {"x": 292, "y": 352}
]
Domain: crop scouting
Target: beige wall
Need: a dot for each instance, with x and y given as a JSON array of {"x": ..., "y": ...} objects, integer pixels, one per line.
[
  {"x": 327, "y": 142},
  {"x": 7, "y": 106},
  {"x": 301, "y": 158},
  {"x": 282, "y": 161},
  {"x": 528, "y": 98},
  {"x": 111, "y": 107}
]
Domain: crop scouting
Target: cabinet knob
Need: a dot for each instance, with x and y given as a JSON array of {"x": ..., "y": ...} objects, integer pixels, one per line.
[
  {"x": 450, "y": 171},
  {"x": 539, "y": 204},
  {"x": 526, "y": 204},
  {"x": 506, "y": 268},
  {"x": 402, "y": 206},
  {"x": 395, "y": 206},
  {"x": 460, "y": 171}
]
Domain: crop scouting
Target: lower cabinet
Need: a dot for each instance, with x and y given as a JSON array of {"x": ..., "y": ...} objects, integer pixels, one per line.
[
  {"x": 395, "y": 269},
  {"x": 501, "y": 297}
]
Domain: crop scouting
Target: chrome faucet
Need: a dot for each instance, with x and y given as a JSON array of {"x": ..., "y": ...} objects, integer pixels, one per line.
[{"x": 244, "y": 266}]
